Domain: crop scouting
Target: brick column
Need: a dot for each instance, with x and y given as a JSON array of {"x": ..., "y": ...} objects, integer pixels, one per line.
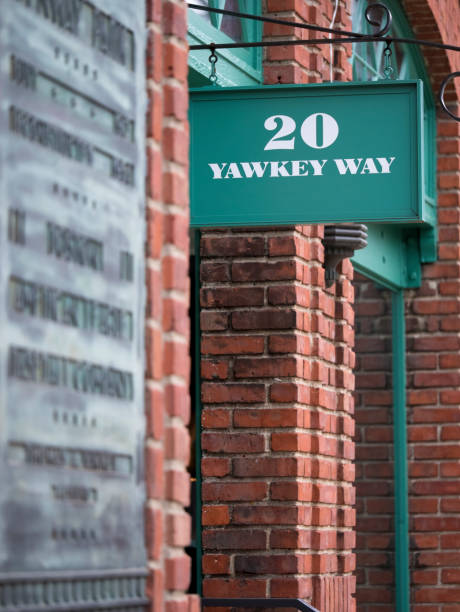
[
  {"x": 167, "y": 325},
  {"x": 277, "y": 381},
  {"x": 277, "y": 419}
]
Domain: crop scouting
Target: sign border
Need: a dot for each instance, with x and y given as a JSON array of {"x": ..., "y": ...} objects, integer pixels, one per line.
[{"x": 412, "y": 87}]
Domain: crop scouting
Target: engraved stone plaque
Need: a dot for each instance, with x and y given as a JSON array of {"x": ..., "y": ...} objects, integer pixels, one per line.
[{"x": 72, "y": 174}]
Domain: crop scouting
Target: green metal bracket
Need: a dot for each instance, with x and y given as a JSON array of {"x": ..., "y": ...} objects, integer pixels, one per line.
[
  {"x": 428, "y": 244},
  {"x": 394, "y": 255},
  {"x": 413, "y": 268},
  {"x": 382, "y": 259}
]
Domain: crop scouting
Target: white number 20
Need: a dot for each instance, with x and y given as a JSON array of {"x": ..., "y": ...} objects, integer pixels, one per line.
[{"x": 318, "y": 131}]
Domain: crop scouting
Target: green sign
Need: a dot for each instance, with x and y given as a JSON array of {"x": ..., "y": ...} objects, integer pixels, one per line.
[{"x": 289, "y": 154}]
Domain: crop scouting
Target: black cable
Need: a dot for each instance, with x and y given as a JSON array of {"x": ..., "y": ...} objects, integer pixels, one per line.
[
  {"x": 363, "y": 38},
  {"x": 350, "y": 36}
]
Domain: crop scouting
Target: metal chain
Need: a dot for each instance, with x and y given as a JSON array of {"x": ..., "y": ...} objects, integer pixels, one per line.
[
  {"x": 388, "y": 69},
  {"x": 213, "y": 60}
]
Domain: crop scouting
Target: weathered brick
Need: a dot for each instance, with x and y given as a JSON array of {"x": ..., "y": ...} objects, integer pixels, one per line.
[
  {"x": 215, "y": 467},
  {"x": 267, "y": 368},
  {"x": 232, "y": 297},
  {"x": 235, "y": 539},
  {"x": 229, "y": 345},
  {"x": 232, "y": 246},
  {"x": 263, "y": 271},
  {"x": 215, "y": 369},
  {"x": 234, "y": 491},
  {"x": 232, "y": 443},
  {"x": 214, "y": 393},
  {"x": 264, "y": 319},
  {"x": 234, "y": 587},
  {"x": 216, "y": 564},
  {"x": 215, "y": 515}
]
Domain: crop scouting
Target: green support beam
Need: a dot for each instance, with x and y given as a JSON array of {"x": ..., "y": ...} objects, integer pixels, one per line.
[{"x": 401, "y": 491}]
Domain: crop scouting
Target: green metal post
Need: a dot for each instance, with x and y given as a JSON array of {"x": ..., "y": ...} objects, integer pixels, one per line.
[
  {"x": 401, "y": 492},
  {"x": 196, "y": 372}
]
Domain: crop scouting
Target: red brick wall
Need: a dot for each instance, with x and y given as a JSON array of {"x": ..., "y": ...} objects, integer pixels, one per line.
[
  {"x": 167, "y": 325},
  {"x": 432, "y": 322},
  {"x": 299, "y": 64},
  {"x": 277, "y": 419}
]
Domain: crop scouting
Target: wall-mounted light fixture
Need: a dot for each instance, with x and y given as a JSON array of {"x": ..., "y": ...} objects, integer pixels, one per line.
[{"x": 341, "y": 241}]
